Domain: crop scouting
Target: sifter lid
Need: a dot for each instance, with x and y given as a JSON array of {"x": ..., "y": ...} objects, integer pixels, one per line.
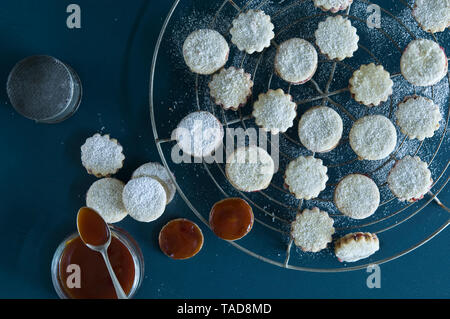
[{"x": 43, "y": 89}]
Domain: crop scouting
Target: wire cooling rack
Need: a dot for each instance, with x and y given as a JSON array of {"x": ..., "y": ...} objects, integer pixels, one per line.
[{"x": 175, "y": 92}]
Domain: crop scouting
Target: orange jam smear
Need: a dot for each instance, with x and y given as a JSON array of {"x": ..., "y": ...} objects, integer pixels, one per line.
[
  {"x": 231, "y": 218},
  {"x": 180, "y": 239},
  {"x": 95, "y": 282}
]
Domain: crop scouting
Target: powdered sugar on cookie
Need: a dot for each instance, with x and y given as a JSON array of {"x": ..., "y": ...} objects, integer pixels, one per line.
[
  {"x": 337, "y": 38},
  {"x": 332, "y": 5},
  {"x": 306, "y": 177},
  {"x": 418, "y": 117},
  {"x": 296, "y": 61},
  {"x": 320, "y": 129},
  {"x": 373, "y": 137},
  {"x": 432, "y": 15},
  {"x": 250, "y": 168},
  {"x": 371, "y": 85},
  {"x": 409, "y": 179},
  {"x": 357, "y": 196},
  {"x": 105, "y": 197},
  {"x": 101, "y": 155},
  {"x": 252, "y": 31},
  {"x": 423, "y": 63},
  {"x": 205, "y": 51},
  {"x": 230, "y": 88},
  {"x": 274, "y": 111},
  {"x": 312, "y": 230}
]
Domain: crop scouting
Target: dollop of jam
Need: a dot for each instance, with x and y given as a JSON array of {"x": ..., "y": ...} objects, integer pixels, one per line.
[{"x": 231, "y": 218}]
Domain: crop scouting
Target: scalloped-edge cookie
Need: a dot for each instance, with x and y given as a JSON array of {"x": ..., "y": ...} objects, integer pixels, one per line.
[
  {"x": 373, "y": 137},
  {"x": 274, "y": 111},
  {"x": 250, "y": 168},
  {"x": 418, "y": 117},
  {"x": 101, "y": 155},
  {"x": 432, "y": 15},
  {"x": 356, "y": 246},
  {"x": 252, "y": 31},
  {"x": 156, "y": 170},
  {"x": 306, "y": 177},
  {"x": 296, "y": 61},
  {"x": 144, "y": 198},
  {"x": 423, "y": 63},
  {"x": 409, "y": 179},
  {"x": 199, "y": 134},
  {"x": 332, "y": 5},
  {"x": 105, "y": 197},
  {"x": 230, "y": 88},
  {"x": 370, "y": 85},
  {"x": 320, "y": 129},
  {"x": 337, "y": 38},
  {"x": 312, "y": 229},
  {"x": 357, "y": 196},
  {"x": 205, "y": 51}
]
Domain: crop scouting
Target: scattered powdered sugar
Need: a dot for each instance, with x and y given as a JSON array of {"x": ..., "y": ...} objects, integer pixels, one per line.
[
  {"x": 144, "y": 199},
  {"x": 105, "y": 197},
  {"x": 101, "y": 155}
]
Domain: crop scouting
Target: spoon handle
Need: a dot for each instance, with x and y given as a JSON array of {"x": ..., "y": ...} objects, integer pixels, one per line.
[{"x": 117, "y": 286}]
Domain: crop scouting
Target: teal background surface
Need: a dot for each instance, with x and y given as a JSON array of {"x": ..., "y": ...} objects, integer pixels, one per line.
[{"x": 43, "y": 182}]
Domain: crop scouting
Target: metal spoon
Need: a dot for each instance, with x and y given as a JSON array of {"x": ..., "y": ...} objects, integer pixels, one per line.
[{"x": 103, "y": 250}]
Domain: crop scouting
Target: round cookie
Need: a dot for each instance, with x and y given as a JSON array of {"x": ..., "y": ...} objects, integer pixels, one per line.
[
  {"x": 357, "y": 196},
  {"x": 306, "y": 177},
  {"x": 296, "y": 61},
  {"x": 156, "y": 170},
  {"x": 320, "y": 129},
  {"x": 230, "y": 88},
  {"x": 252, "y": 31},
  {"x": 199, "y": 134},
  {"x": 332, "y": 5},
  {"x": 356, "y": 246},
  {"x": 102, "y": 155},
  {"x": 370, "y": 85},
  {"x": 274, "y": 111},
  {"x": 373, "y": 137},
  {"x": 423, "y": 63},
  {"x": 312, "y": 230},
  {"x": 409, "y": 179},
  {"x": 337, "y": 38},
  {"x": 205, "y": 51},
  {"x": 250, "y": 168},
  {"x": 144, "y": 199},
  {"x": 418, "y": 117},
  {"x": 105, "y": 197},
  {"x": 432, "y": 15}
]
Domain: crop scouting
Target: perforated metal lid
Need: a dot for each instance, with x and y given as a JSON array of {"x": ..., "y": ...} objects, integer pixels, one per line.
[{"x": 44, "y": 89}]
